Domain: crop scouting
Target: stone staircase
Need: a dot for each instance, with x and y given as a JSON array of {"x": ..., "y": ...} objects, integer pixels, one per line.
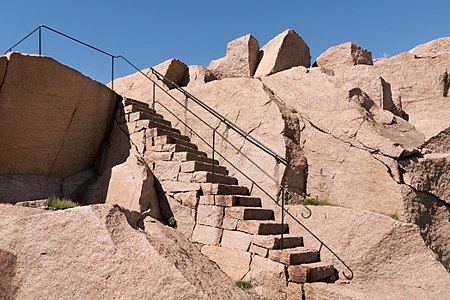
[{"x": 212, "y": 209}]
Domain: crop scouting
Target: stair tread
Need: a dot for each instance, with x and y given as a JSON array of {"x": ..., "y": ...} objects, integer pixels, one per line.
[
  {"x": 274, "y": 241},
  {"x": 230, "y": 200},
  {"x": 188, "y": 156},
  {"x": 193, "y": 166},
  {"x": 224, "y": 189},
  {"x": 262, "y": 227},
  {"x": 295, "y": 256},
  {"x": 249, "y": 213},
  {"x": 205, "y": 177},
  {"x": 311, "y": 272}
]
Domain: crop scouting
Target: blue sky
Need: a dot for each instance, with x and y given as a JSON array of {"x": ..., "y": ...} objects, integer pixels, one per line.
[{"x": 196, "y": 32}]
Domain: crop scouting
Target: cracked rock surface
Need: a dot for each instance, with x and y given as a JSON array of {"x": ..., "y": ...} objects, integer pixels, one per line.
[
  {"x": 93, "y": 252},
  {"x": 52, "y": 118}
]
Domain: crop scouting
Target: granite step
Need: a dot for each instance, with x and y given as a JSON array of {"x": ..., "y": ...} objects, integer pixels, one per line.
[
  {"x": 230, "y": 200},
  {"x": 312, "y": 272},
  {"x": 295, "y": 256},
  {"x": 194, "y": 166},
  {"x": 262, "y": 227},
  {"x": 274, "y": 241},
  {"x": 224, "y": 189},
  {"x": 246, "y": 213}
]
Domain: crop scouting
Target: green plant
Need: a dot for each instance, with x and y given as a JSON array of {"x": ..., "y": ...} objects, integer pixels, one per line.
[
  {"x": 393, "y": 215},
  {"x": 172, "y": 222},
  {"x": 243, "y": 284},
  {"x": 26, "y": 204},
  {"x": 294, "y": 111},
  {"x": 317, "y": 202},
  {"x": 61, "y": 203}
]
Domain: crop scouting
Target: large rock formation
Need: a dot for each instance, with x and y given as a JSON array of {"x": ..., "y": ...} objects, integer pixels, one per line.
[
  {"x": 383, "y": 253},
  {"x": 95, "y": 253},
  {"x": 52, "y": 119},
  {"x": 240, "y": 61},
  {"x": 343, "y": 132},
  {"x": 347, "y": 54},
  {"x": 283, "y": 52}
]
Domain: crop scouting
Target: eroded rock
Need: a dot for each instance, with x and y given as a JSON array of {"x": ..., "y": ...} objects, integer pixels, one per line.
[
  {"x": 52, "y": 118},
  {"x": 347, "y": 54},
  {"x": 382, "y": 252},
  {"x": 283, "y": 52},
  {"x": 99, "y": 241},
  {"x": 240, "y": 61},
  {"x": 174, "y": 70}
]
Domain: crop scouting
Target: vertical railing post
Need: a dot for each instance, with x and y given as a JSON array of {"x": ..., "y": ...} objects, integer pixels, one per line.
[
  {"x": 213, "y": 150},
  {"x": 112, "y": 72},
  {"x": 40, "y": 40},
  {"x": 282, "y": 218},
  {"x": 153, "y": 104}
]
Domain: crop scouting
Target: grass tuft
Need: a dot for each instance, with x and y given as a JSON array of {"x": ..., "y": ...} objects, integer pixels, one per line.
[
  {"x": 172, "y": 222},
  {"x": 61, "y": 203},
  {"x": 317, "y": 202},
  {"x": 243, "y": 284},
  {"x": 294, "y": 111},
  {"x": 393, "y": 215}
]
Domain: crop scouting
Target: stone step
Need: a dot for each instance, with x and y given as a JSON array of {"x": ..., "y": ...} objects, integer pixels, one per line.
[
  {"x": 155, "y": 131},
  {"x": 203, "y": 176},
  {"x": 230, "y": 200},
  {"x": 141, "y": 115},
  {"x": 274, "y": 241},
  {"x": 246, "y": 213},
  {"x": 224, "y": 189},
  {"x": 168, "y": 139},
  {"x": 158, "y": 123},
  {"x": 187, "y": 156},
  {"x": 262, "y": 227},
  {"x": 131, "y": 108},
  {"x": 175, "y": 148},
  {"x": 295, "y": 256},
  {"x": 194, "y": 166},
  {"x": 129, "y": 101},
  {"x": 312, "y": 272}
]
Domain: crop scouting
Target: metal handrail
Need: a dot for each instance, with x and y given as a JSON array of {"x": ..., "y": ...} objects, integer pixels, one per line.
[{"x": 228, "y": 123}]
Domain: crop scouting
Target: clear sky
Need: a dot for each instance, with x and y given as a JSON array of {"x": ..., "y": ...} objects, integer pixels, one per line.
[{"x": 196, "y": 32}]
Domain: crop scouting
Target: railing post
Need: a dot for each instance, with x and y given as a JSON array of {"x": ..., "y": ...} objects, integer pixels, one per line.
[
  {"x": 40, "y": 40},
  {"x": 213, "y": 150},
  {"x": 112, "y": 72},
  {"x": 282, "y": 218},
  {"x": 153, "y": 103}
]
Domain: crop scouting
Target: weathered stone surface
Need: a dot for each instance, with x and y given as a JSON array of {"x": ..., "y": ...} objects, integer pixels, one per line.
[
  {"x": 105, "y": 255},
  {"x": 439, "y": 143},
  {"x": 233, "y": 262},
  {"x": 283, "y": 52},
  {"x": 22, "y": 187},
  {"x": 210, "y": 215},
  {"x": 167, "y": 170},
  {"x": 347, "y": 54},
  {"x": 240, "y": 61},
  {"x": 174, "y": 70},
  {"x": 418, "y": 86},
  {"x": 8, "y": 265},
  {"x": 323, "y": 291},
  {"x": 197, "y": 75},
  {"x": 131, "y": 186},
  {"x": 189, "y": 199},
  {"x": 176, "y": 186},
  {"x": 432, "y": 48},
  {"x": 206, "y": 235},
  {"x": 383, "y": 253},
  {"x": 340, "y": 155},
  {"x": 236, "y": 240},
  {"x": 258, "y": 250},
  {"x": 52, "y": 118},
  {"x": 267, "y": 275},
  {"x": 432, "y": 216},
  {"x": 430, "y": 173},
  {"x": 72, "y": 183},
  {"x": 184, "y": 216}
]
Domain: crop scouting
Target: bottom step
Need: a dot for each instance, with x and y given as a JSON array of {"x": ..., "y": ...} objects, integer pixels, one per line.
[{"x": 311, "y": 272}]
